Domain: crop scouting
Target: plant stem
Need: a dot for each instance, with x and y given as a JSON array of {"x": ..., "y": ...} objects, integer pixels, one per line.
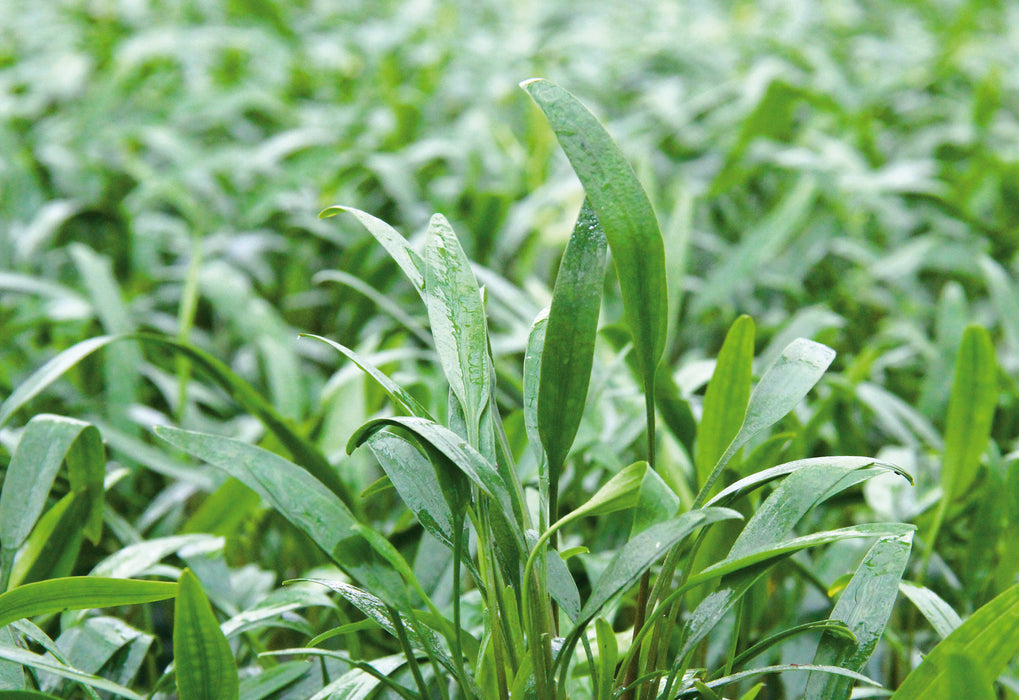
[
  {"x": 644, "y": 591},
  {"x": 408, "y": 650},
  {"x": 458, "y": 538}
]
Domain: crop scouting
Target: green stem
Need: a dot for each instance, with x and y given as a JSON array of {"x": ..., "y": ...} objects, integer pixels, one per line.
[
  {"x": 644, "y": 591},
  {"x": 458, "y": 538},
  {"x": 408, "y": 650},
  {"x": 185, "y": 322}
]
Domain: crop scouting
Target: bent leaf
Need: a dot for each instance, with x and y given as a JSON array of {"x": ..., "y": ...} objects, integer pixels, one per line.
[{"x": 79, "y": 593}]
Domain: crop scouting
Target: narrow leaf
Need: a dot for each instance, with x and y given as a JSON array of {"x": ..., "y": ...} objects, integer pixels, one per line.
[
  {"x": 458, "y": 323},
  {"x": 568, "y": 351},
  {"x": 725, "y": 401},
  {"x": 625, "y": 212},
  {"x": 78, "y": 593},
  {"x": 970, "y": 412},
  {"x": 991, "y": 634},
  {"x": 865, "y": 607},
  {"x": 204, "y": 663},
  {"x": 395, "y": 244},
  {"x": 933, "y": 607}
]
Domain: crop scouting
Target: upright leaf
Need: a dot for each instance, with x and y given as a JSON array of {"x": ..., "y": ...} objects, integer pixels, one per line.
[
  {"x": 457, "y": 318},
  {"x": 864, "y": 606},
  {"x": 991, "y": 635},
  {"x": 725, "y": 401},
  {"x": 205, "y": 665},
  {"x": 970, "y": 412},
  {"x": 569, "y": 339},
  {"x": 626, "y": 215},
  {"x": 784, "y": 384}
]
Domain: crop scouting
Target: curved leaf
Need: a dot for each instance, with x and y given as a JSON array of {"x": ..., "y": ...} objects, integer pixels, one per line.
[{"x": 78, "y": 593}]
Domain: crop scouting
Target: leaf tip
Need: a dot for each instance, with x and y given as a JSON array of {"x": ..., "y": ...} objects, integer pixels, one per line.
[{"x": 331, "y": 211}]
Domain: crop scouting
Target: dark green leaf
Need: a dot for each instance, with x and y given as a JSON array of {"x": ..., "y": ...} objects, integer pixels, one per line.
[{"x": 625, "y": 213}]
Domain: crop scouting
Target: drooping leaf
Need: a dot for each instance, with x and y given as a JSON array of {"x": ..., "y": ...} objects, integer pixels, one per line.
[
  {"x": 202, "y": 657},
  {"x": 940, "y": 614},
  {"x": 47, "y": 664},
  {"x": 302, "y": 500},
  {"x": 395, "y": 391},
  {"x": 46, "y": 443},
  {"x": 625, "y": 213},
  {"x": 568, "y": 350},
  {"x": 395, "y": 244}
]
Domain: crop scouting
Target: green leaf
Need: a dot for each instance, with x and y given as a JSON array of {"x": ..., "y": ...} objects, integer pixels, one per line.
[
  {"x": 608, "y": 655},
  {"x": 413, "y": 477},
  {"x": 780, "y": 668},
  {"x": 940, "y": 614},
  {"x": 395, "y": 244},
  {"x": 52, "y": 548},
  {"x": 272, "y": 680},
  {"x": 755, "y": 481},
  {"x": 458, "y": 323},
  {"x": 965, "y": 677},
  {"x": 625, "y": 213},
  {"x": 78, "y": 593},
  {"x": 532, "y": 382},
  {"x": 204, "y": 663},
  {"x": 453, "y": 447},
  {"x": 46, "y": 443},
  {"x": 307, "y": 455},
  {"x": 568, "y": 351},
  {"x": 865, "y": 607},
  {"x": 991, "y": 634},
  {"x": 49, "y": 373},
  {"x": 783, "y": 385},
  {"x": 738, "y": 573},
  {"x": 725, "y": 401},
  {"x": 25, "y": 695},
  {"x": 970, "y": 412},
  {"x": 656, "y": 502},
  {"x": 47, "y": 664},
  {"x": 403, "y": 399},
  {"x": 637, "y": 555},
  {"x": 123, "y": 362},
  {"x": 302, "y": 500},
  {"x": 376, "y": 610}
]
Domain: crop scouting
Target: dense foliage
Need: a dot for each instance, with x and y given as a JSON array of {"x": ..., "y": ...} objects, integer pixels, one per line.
[{"x": 743, "y": 426}]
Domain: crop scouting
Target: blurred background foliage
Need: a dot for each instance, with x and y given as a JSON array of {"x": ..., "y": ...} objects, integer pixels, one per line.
[{"x": 844, "y": 171}]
